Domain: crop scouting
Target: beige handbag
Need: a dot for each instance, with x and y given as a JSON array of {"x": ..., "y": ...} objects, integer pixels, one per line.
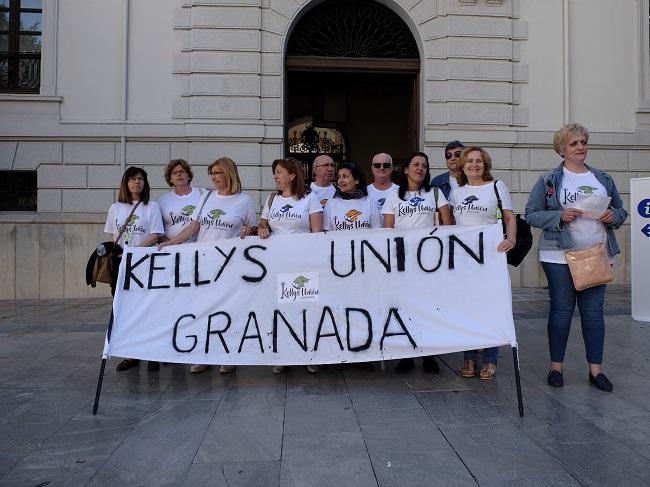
[{"x": 589, "y": 267}]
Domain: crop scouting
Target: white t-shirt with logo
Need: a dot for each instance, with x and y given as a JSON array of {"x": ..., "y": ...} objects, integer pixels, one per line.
[
  {"x": 477, "y": 205},
  {"x": 416, "y": 210},
  {"x": 340, "y": 214},
  {"x": 291, "y": 215},
  {"x": 177, "y": 211},
  {"x": 145, "y": 221},
  {"x": 379, "y": 196},
  {"x": 585, "y": 232},
  {"x": 222, "y": 216},
  {"x": 323, "y": 193}
]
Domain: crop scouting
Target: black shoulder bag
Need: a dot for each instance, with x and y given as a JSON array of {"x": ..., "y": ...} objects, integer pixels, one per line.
[{"x": 524, "y": 240}]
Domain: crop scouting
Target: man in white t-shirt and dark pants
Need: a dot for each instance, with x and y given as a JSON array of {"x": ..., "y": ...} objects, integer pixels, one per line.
[
  {"x": 323, "y": 172},
  {"x": 381, "y": 187}
]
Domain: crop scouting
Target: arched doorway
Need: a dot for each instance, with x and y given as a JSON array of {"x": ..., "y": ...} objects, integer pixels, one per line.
[{"x": 352, "y": 69}]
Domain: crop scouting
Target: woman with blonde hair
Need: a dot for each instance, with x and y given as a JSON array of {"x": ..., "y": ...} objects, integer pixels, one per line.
[
  {"x": 552, "y": 207},
  {"x": 476, "y": 202},
  {"x": 224, "y": 212}
]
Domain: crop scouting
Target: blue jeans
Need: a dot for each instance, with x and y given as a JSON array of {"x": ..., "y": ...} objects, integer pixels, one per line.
[
  {"x": 563, "y": 301},
  {"x": 490, "y": 355}
]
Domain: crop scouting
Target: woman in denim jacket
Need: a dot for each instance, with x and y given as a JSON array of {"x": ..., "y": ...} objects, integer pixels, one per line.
[{"x": 551, "y": 207}]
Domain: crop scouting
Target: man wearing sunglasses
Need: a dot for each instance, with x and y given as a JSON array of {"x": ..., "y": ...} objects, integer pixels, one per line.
[
  {"x": 447, "y": 181},
  {"x": 381, "y": 187}
]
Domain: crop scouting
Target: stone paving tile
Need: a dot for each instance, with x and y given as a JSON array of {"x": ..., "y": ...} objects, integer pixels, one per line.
[
  {"x": 604, "y": 464},
  {"x": 72, "y": 455},
  {"x": 458, "y": 408},
  {"x": 400, "y": 431},
  {"x": 326, "y": 459},
  {"x": 500, "y": 451},
  {"x": 236, "y": 474},
  {"x": 421, "y": 469},
  {"x": 242, "y": 439},
  {"x": 159, "y": 450},
  {"x": 382, "y": 395},
  {"x": 554, "y": 481}
]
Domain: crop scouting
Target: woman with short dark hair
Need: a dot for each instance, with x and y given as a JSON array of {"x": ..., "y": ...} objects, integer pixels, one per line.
[
  {"x": 350, "y": 208},
  {"x": 178, "y": 205}
]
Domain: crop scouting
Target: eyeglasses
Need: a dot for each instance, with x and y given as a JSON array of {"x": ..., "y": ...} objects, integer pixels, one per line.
[
  {"x": 179, "y": 173},
  {"x": 215, "y": 173},
  {"x": 381, "y": 165},
  {"x": 449, "y": 155},
  {"x": 330, "y": 164}
]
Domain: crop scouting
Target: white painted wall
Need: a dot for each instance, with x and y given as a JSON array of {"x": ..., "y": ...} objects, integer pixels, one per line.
[
  {"x": 89, "y": 59},
  {"x": 152, "y": 47},
  {"x": 603, "y": 38},
  {"x": 542, "y": 52},
  {"x": 603, "y": 43}
]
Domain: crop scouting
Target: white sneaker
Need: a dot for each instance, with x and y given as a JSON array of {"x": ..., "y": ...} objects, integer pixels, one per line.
[
  {"x": 313, "y": 369},
  {"x": 226, "y": 369},
  {"x": 198, "y": 368},
  {"x": 279, "y": 369}
]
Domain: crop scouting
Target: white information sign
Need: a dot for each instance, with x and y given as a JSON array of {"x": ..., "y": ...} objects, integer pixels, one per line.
[
  {"x": 315, "y": 298},
  {"x": 640, "y": 246}
]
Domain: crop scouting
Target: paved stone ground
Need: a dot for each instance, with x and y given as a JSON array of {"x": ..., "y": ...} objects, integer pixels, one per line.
[{"x": 343, "y": 427}]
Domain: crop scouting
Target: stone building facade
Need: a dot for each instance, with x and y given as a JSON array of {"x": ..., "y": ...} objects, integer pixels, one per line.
[{"x": 139, "y": 82}]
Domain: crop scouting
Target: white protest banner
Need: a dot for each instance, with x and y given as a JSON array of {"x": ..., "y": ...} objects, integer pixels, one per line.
[{"x": 315, "y": 298}]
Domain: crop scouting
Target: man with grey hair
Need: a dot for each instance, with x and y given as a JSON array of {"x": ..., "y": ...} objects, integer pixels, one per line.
[
  {"x": 381, "y": 187},
  {"x": 323, "y": 172}
]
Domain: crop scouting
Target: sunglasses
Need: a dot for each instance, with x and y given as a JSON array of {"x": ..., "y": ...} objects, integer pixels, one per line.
[
  {"x": 381, "y": 165},
  {"x": 449, "y": 155}
]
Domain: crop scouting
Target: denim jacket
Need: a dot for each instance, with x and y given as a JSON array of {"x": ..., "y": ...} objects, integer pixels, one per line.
[
  {"x": 544, "y": 210},
  {"x": 442, "y": 182}
]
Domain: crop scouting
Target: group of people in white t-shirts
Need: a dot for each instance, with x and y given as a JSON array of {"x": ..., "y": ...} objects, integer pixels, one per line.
[{"x": 465, "y": 195}]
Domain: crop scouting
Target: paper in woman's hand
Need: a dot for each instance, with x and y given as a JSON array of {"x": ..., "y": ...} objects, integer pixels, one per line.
[{"x": 592, "y": 206}]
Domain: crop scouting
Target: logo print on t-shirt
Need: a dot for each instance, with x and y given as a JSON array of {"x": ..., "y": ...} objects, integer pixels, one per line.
[
  {"x": 586, "y": 189},
  {"x": 323, "y": 202},
  {"x": 285, "y": 208},
  {"x": 469, "y": 200},
  {"x": 352, "y": 215},
  {"x": 380, "y": 202},
  {"x": 188, "y": 210},
  {"x": 216, "y": 213},
  {"x": 415, "y": 201}
]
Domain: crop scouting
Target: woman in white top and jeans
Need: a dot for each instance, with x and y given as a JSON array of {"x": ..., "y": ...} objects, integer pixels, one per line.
[
  {"x": 475, "y": 202},
  {"x": 552, "y": 207}
]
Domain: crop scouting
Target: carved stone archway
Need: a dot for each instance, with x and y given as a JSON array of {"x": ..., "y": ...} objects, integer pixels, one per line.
[{"x": 340, "y": 55}]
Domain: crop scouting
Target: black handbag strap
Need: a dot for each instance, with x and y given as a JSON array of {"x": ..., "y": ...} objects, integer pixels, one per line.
[
  {"x": 503, "y": 222},
  {"x": 126, "y": 222},
  {"x": 207, "y": 197}
]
